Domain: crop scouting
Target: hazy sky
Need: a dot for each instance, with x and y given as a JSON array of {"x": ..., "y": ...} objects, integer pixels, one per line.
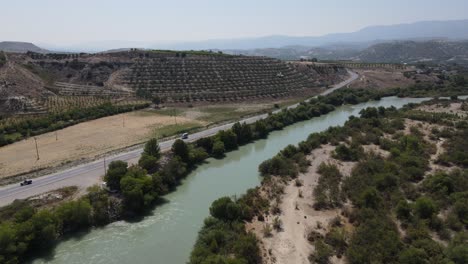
[{"x": 79, "y": 21}]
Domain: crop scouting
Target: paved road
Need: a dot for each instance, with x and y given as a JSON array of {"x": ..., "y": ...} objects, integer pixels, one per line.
[{"x": 88, "y": 174}]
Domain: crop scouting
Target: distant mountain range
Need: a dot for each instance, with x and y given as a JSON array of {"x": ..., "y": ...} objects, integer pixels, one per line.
[
  {"x": 425, "y": 30},
  {"x": 455, "y": 30},
  {"x": 437, "y": 41}
]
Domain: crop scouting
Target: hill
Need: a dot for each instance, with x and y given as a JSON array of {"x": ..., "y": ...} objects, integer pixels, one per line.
[
  {"x": 413, "y": 52},
  {"x": 437, "y": 51},
  {"x": 175, "y": 77},
  {"x": 20, "y": 47}
]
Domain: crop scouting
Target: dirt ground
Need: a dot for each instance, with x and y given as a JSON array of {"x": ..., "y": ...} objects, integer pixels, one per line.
[
  {"x": 453, "y": 108},
  {"x": 381, "y": 79},
  {"x": 298, "y": 216},
  {"x": 87, "y": 140}
]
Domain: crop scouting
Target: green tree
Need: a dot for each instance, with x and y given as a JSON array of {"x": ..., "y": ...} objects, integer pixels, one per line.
[
  {"x": 117, "y": 169},
  {"x": 229, "y": 139},
  {"x": 152, "y": 148},
  {"x": 174, "y": 171},
  {"x": 218, "y": 149},
  {"x": 260, "y": 129},
  {"x": 137, "y": 189},
  {"x": 180, "y": 149}
]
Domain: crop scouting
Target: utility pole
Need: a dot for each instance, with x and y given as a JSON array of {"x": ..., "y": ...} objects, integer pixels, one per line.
[
  {"x": 56, "y": 135},
  {"x": 175, "y": 116},
  {"x": 37, "y": 149},
  {"x": 123, "y": 120},
  {"x": 105, "y": 167}
]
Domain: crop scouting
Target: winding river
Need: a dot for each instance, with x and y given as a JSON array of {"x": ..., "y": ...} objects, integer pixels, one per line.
[{"x": 168, "y": 234}]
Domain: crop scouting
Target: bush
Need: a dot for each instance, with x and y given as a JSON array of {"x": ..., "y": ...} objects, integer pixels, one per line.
[
  {"x": 218, "y": 149},
  {"x": 229, "y": 139},
  {"x": 375, "y": 240},
  {"x": 352, "y": 153},
  {"x": 225, "y": 209},
  {"x": 322, "y": 253},
  {"x": 148, "y": 162},
  {"x": 279, "y": 166},
  {"x": 327, "y": 193},
  {"x": 75, "y": 214},
  {"x": 424, "y": 207}
]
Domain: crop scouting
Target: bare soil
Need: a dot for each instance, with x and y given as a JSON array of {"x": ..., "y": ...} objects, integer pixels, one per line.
[
  {"x": 381, "y": 79},
  {"x": 452, "y": 108},
  {"x": 298, "y": 216}
]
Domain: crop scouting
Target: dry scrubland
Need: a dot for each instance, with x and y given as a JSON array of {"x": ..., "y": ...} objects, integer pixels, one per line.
[{"x": 299, "y": 220}]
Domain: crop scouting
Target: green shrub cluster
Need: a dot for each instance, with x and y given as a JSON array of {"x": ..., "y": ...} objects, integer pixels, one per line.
[
  {"x": 328, "y": 193},
  {"x": 30, "y": 231}
]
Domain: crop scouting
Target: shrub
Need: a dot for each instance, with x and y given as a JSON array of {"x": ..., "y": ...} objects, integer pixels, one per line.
[
  {"x": 218, "y": 149},
  {"x": 225, "y": 209},
  {"x": 425, "y": 207}
]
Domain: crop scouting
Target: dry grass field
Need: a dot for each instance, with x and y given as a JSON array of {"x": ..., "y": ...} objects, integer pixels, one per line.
[
  {"x": 93, "y": 138},
  {"x": 88, "y": 140}
]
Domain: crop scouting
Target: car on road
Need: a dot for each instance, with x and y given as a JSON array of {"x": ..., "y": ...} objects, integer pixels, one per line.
[
  {"x": 26, "y": 182},
  {"x": 184, "y": 136}
]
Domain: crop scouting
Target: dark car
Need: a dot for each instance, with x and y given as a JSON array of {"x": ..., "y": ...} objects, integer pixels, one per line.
[
  {"x": 184, "y": 136},
  {"x": 26, "y": 182}
]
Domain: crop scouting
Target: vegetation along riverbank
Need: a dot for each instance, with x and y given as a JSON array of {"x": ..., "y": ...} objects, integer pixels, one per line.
[{"x": 388, "y": 187}]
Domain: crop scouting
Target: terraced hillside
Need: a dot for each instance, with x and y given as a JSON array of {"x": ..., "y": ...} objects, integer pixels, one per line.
[
  {"x": 174, "y": 76},
  {"x": 222, "y": 78}
]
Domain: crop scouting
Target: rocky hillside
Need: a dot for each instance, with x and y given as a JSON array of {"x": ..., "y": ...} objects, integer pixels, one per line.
[{"x": 175, "y": 76}]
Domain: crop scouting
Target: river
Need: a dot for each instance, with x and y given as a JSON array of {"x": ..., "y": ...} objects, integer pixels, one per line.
[{"x": 169, "y": 233}]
